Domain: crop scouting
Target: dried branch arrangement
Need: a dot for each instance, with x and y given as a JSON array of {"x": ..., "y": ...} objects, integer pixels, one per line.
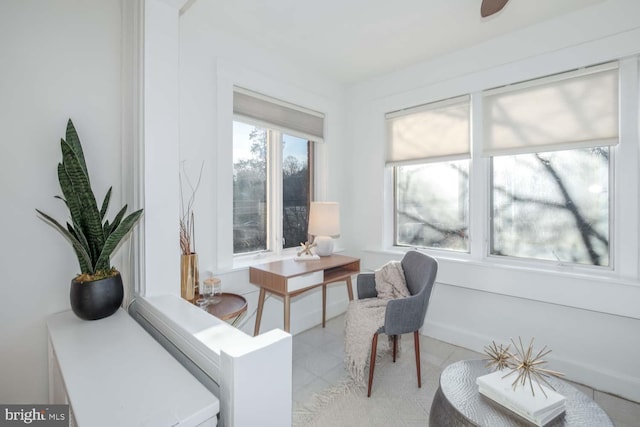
[
  {"x": 525, "y": 362},
  {"x": 187, "y": 223}
]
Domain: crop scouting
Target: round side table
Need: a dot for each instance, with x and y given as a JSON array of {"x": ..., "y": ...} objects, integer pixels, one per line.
[
  {"x": 230, "y": 306},
  {"x": 458, "y": 403}
]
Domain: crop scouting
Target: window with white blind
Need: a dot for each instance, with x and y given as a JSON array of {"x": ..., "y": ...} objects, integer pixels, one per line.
[
  {"x": 550, "y": 146},
  {"x": 272, "y": 172},
  {"x": 428, "y": 147}
]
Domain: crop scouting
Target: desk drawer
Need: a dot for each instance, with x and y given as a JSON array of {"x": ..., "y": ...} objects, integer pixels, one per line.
[{"x": 304, "y": 281}]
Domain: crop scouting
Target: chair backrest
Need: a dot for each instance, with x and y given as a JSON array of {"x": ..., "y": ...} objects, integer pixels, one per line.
[{"x": 420, "y": 273}]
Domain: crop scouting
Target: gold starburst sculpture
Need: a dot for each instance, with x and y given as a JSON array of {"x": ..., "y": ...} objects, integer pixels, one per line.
[
  {"x": 529, "y": 367},
  {"x": 499, "y": 356},
  {"x": 306, "y": 248}
]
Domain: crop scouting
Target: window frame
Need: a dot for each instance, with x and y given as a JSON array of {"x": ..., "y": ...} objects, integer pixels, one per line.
[
  {"x": 274, "y": 187},
  {"x": 544, "y": 81},
  {"x": 549, "y": 263},
  {"x": 625, "y": 205},
  {"x": 407, "y": 150},
  {"x": 395, "y": 210}
]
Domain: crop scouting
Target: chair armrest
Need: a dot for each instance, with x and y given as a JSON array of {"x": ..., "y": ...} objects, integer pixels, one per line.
[
  {"x": 403, "y": 315},
  {"x": 366, "y": 284}
]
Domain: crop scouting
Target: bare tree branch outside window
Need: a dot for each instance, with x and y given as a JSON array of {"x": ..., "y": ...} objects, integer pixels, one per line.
[
  {"x": 432, "y": 207},
  {"x": 552, "y": 206}
]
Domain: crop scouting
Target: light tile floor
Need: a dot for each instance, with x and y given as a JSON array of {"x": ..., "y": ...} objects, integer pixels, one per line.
[{"x": 318, "y": 364}]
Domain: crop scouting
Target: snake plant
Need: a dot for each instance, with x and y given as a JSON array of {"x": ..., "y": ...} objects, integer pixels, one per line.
[{"x": 92, "y": 237}]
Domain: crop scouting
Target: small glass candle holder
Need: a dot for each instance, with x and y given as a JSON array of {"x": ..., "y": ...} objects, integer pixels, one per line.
[
  {"x": 206, "y": 289},
  {"x": 215, "y": 285}
]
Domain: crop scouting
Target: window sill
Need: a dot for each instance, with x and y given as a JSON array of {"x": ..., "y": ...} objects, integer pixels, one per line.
[
  {"x": 604, "y": 292},
  {"x": 584, "y": 272},
  {"x": 243, "y": 262}
]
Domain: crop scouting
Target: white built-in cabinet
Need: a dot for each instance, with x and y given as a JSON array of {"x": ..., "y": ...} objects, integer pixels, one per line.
[{"x": 113, "y": 373}]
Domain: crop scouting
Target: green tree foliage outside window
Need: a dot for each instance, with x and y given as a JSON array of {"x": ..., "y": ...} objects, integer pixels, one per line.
[{"x": 251, "y": 203}]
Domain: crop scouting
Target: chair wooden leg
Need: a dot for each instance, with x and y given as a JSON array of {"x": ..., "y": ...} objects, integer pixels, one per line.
[
  {"x": 416, "y": 344},
  {"x": 372, "y": 362},
  {"x": 395, "y": 347}
]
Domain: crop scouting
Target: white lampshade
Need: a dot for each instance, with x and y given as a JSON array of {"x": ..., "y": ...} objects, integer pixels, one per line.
[
  {"x": 324, "y": 219},
  {"x": 324, "y": 222}
]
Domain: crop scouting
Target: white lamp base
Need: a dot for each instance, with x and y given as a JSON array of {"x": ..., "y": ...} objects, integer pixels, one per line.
[{"x": 324, "y": 245}]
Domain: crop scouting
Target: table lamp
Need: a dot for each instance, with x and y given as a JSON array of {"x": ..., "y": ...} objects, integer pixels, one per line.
[{"x": 324, "y": 224}]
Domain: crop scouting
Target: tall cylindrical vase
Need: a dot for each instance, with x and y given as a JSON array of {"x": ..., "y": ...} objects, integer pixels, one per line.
[{"x": 188, "y": 275}]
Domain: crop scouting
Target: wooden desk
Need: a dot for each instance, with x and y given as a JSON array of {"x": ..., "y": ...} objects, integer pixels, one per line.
[{"x": 289, "y": 278}]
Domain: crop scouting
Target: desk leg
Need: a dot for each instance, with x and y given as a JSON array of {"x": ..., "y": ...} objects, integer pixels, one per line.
[
  {"x": 349, "y": 288},
  {"x": 256, "y": 330},
  {"x": 287, "y": 313},
  {"x": 324, "y": 304}
]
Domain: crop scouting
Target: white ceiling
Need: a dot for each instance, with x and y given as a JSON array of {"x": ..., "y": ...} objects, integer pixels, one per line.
[{"x": 352, "y": 40}]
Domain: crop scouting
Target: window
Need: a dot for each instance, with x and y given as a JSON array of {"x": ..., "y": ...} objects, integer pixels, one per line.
[
  {"x": 550, "y": 145},
  {"x": 432, "y": 205},
  {"x": 249, "y": 188},
  {"x": 552, "y": 206},
  {"x": 296, "y": 189},
  {"x": 549, "y": 140},
  {"x": 272, "y": 172},
  {"x": 428, "y": 147}
]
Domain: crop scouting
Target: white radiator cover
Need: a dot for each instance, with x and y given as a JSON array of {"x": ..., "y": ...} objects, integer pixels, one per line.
[{"x": 252, "y": 376}]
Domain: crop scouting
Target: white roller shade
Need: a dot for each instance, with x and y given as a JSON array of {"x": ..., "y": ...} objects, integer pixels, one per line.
[
  {"x": 273, "y": 113},
  {"x": 572, "y": 110},
  {"x": 428, "y": 133}
]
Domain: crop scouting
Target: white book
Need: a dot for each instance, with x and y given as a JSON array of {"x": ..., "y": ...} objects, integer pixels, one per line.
[
  {"x": 520, "y": 400},
  {"x": 540, "y": 420},
  {"x": 551, "y": 415}
]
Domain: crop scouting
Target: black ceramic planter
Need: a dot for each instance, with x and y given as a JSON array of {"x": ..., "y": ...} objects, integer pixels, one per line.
[{"x": 98, "y": 299}]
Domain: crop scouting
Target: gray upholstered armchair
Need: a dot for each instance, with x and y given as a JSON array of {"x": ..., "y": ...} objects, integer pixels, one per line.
[{"x": 403, "y": 315}]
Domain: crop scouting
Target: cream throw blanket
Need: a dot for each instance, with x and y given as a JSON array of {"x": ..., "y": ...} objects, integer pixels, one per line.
[{"x": 365, "y": 317}]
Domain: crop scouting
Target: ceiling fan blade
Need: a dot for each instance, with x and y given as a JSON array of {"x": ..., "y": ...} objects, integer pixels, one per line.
[{"x": 489, "y": 7}]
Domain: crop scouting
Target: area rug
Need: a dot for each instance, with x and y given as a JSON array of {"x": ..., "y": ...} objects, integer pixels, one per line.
[{"x": 395, "y": 399}]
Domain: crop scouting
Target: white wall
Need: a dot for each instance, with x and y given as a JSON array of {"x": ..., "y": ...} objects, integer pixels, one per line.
[
  {"x": 590, "y": 321},
  {"x": 160, "y": 167},
  {"x": 63, "y": 59},
  {"x": 59, "y": 60},
  {"x": 211, "y": 62}
]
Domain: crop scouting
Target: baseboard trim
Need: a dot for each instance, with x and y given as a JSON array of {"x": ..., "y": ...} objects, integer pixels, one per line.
[{"x": 604, "y": 380}]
